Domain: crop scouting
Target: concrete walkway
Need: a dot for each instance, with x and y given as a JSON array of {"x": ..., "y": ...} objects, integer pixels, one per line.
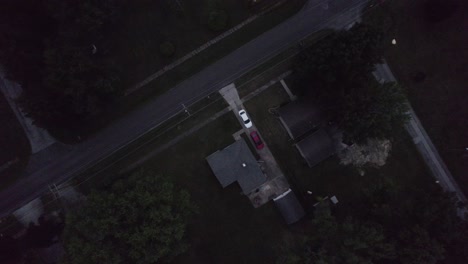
[{"x": 425, "y": 146}]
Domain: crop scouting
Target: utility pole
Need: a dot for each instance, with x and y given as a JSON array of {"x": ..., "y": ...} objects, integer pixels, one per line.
[{"x": 185, "y": 109}]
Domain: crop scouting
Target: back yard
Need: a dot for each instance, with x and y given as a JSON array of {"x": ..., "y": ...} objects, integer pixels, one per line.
[
  {"x": 330, "y": 178},
  {"x": 430, "y": 60}
]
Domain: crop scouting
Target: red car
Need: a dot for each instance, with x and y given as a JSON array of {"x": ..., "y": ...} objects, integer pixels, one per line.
[{"x": 257, "y": 140}]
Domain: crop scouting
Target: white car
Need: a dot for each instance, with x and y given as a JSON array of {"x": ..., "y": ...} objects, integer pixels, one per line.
[{"x": 245, "y": 118}]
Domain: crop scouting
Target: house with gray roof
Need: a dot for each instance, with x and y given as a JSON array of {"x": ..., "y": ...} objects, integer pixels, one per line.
[{"x": 236, "y": 163}]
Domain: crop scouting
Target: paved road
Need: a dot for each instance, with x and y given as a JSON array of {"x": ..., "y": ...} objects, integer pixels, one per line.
[
  {"x": 424, "y": 145},
  {"x": 313, "y": 17}
]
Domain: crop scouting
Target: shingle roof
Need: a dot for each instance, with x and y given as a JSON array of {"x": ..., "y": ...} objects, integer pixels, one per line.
[
  {"x": 237, "y": 163},
  {"x": 300, "y": 117},
  {"x": 316, "y": 147},
  {"x": 289, "y": 207}
]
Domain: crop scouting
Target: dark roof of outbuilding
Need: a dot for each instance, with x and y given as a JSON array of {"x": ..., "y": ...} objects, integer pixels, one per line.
[
  {"x": 227, "y": 165},
  {"x": 316, "y": 147},
  {"x": 300, "y": 117},
  {"x": 289, "y": 207}
]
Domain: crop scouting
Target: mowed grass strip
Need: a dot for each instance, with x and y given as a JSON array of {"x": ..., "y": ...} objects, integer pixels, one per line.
[{"x": 108, "y": 169}]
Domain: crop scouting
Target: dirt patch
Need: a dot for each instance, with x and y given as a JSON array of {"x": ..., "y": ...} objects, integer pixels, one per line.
[{"x": 374, "y": 154}]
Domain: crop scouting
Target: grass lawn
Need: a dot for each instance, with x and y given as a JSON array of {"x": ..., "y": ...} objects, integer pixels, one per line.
[
  {"x": 430, "y": 60},
  {"x": 227, "y": 229},
  {"x": 330, "y": 178},
  {"x": 109, "y": 168},
  {"x": 14, "y": 145}
]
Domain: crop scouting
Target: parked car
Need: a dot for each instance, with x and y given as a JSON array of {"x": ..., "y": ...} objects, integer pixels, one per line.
[
  {"x": 245, "y": 118},
  {"x": 257, "y": 140}
]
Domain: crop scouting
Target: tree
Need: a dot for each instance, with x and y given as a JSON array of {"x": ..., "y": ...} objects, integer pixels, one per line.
[
  {"x": 46, "y": 46},
  {"x": 374, "y": 111},
  {"x": 139, "y": 220},
  {"x": 337, "y": 74},
  {"x": 417, "y": 246},
  {"x": 350, "y": 241},
  {"x": 339, "y": 61}
]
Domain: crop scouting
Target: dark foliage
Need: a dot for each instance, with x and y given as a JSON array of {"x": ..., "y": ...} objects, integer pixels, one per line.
[
  {"x": 140, "y": 220},
  {"x": 337, "y": 74},
  {"x": 57, "y": 51},
  {"x": 421, "y": 227}
]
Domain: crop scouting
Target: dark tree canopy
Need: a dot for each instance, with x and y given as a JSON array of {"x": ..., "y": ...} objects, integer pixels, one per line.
[
  {"x": 376, "y": 111},
  {"x": 395, "y": 227},
  {"x": 57, "y": 51},
  {"x": 337, "y": 74},
  {"x": 350, "y": 241},
  {"x": 340, "y": 61},
  {"x": 140, "y": 220}
]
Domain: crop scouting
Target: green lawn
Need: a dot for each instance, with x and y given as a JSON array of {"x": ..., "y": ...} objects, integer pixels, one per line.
[
  {"x": 14, "y": 145},
  {"x": 330, "y": 178},
  {"x": 109, "y": 168},
  {"x": 430, "y": 61}
]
